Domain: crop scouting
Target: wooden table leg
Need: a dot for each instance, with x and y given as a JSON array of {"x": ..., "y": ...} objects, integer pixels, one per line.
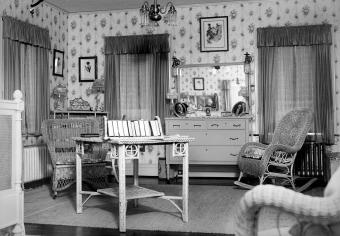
[
  {"x": 185, "y": 180},
  {"x": 122, "y": 190},
  {"x": 79, "y": 198}
]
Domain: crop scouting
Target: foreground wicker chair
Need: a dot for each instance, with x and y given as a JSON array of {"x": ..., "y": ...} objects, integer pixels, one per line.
[
  {"x": 316, "y": 216},
  {"x": 57, "y": 134},
  {"x": 276, "y": 160}
]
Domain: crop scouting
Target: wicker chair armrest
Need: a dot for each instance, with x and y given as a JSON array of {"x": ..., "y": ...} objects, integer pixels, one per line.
[
  {"x": 285, "y": 148},
  {"x": 276, "y": 147},
  {"x": 252, "y": 144},
  {"x": 53, "y": 155},
  {"x": 324, "y": 210}
]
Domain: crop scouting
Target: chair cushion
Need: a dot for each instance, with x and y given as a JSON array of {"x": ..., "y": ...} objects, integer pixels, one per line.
[{"x": 253, "y": 153}]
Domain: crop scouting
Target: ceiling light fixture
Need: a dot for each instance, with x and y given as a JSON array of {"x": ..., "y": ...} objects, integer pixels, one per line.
[{"x": 151, "y": 14}]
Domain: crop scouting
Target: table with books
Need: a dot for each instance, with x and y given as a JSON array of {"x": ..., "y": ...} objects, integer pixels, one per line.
[{"x": 122, "y": 141}]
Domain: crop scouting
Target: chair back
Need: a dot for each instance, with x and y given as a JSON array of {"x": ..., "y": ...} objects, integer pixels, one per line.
[
  {"x": 293, "y": 128},
  {"x": 58, "y": 133}
]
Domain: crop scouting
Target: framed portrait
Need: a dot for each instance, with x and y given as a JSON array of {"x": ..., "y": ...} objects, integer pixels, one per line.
[
  {"x": 58, "y": 62},
  {"x": 198, "y": 83},
  {"x": 87, "y": 69},
  {"x": 214, "y": 34}
]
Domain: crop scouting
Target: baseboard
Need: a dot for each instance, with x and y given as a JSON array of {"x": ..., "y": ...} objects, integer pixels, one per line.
[{"x": 37, "y": 183}]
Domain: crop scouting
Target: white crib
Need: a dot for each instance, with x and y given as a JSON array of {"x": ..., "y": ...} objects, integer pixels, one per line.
[{"x": 11, "y": 193}]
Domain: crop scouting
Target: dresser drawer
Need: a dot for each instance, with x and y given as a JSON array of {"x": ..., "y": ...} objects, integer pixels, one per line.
[
  {"x": 215, "y": 124},
  {"x": 214, "y": 155},
  {"x": 226, "y": 124},
  {"x": 225, "y": 137},
  {"x": 185, "y": 124},
  {"x": 235, "y": 124},
  {"x": 175, "y": 125}
]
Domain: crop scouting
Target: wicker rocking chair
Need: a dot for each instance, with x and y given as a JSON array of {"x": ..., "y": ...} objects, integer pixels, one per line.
[
  {"x": 276, "y": 160},
  {"x": 57, "y": 134}
]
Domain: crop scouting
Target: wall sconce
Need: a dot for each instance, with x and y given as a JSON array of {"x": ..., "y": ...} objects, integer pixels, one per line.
[{"x": 247, "y": 60}]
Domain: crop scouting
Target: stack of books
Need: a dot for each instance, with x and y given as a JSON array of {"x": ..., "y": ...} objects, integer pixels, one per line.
[{"x": 137, "y": 128}]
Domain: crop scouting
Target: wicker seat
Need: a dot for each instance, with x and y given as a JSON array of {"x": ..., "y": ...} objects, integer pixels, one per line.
[
  {"x": 276, "y": 160},
  {"x": 57, "y": 134},
  {"x": 316, "y": 216}
]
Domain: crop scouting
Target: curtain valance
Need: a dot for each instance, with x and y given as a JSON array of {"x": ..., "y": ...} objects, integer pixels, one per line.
[
  {"x": 294, "y": 36},
  {"x": 137, "y": 44},
  {"x": 25, "y": 32}
]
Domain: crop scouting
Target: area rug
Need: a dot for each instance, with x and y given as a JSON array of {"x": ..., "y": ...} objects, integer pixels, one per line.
[{"x": 211, "y": 210}]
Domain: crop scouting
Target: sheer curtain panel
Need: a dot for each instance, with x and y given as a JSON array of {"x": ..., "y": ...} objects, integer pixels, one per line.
[
  {"x": 26, "y": 49},
  {"x": 295, "y": 72},
  {"x": 136, "y": 76}
]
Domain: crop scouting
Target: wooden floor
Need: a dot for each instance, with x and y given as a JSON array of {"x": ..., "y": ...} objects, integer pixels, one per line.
[{"x": 59, "y": 230}]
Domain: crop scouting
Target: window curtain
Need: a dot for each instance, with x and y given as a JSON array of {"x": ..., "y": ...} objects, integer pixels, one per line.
[
  {"x": 135, "y": 99},
  {"x": 143, "y": 61},
  {"x": 26, "y": 49},
  {"x": 295, "y": 72}
]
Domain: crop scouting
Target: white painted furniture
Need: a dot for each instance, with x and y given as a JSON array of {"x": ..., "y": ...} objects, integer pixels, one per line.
[
  {"x": 128, "y": 148},
  {"x": 11, "y": 193},
  {"x": 218, "y": 140}
]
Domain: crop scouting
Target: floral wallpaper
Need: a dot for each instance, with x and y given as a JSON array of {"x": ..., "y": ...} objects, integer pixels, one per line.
[
  {"x": 87, "y": 30},
  {"x": 81, "y": 34},
  {"x": 45, "y": 16}
]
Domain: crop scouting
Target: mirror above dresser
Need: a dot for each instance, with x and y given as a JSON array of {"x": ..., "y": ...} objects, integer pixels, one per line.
[{"x": 218, "y": 87}]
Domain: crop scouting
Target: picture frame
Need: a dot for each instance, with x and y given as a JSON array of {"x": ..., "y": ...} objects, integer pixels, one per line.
[
  {"x": 214, "y": 36},
  {"x": 87, "y": 69},
  {"x": 198, "y": 83},
  {"x": 58, "y": 62}
]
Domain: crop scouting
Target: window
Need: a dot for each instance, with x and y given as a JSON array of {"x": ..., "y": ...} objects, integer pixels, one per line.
[
  {"x": 25, "y": 55},
  {"x": 136, "y": 76},
  {"x": 295, "y": 72}
]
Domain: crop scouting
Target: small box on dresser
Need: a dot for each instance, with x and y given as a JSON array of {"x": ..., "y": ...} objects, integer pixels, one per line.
[{"x": 218, "y": 141}]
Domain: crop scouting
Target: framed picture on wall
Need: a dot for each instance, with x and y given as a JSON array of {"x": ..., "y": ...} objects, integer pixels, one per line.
[
  {"x": 214, "y": 34},
  {"x": 58, "y": 62},
  {"x": 198, "y": 83},
  {"x": 87, "y": 69}
]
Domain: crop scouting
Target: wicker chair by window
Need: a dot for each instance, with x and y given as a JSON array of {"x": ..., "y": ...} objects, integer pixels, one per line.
[
  {"x": 276, "y": 160},
  {"x": 316, "y": 216},
  {"x": 57, "y": 134}
]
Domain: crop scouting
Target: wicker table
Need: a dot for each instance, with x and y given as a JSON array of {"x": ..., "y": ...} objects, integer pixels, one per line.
[{"x": 127, "y": 148}]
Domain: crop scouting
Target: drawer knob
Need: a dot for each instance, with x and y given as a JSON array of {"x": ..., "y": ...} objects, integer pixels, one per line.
[
  {"x": 236, "y": 125},
  {"x": 197, "y": 125},
  {"x": 233, "y": 139},
  {"x": 234, "y": 155},
  {"x": 175, "y": 126},
  {"x": 212, "y": 125}
]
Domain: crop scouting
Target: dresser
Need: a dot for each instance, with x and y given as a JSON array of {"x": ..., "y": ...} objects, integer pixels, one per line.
[{"x": 218, "y": 141}]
